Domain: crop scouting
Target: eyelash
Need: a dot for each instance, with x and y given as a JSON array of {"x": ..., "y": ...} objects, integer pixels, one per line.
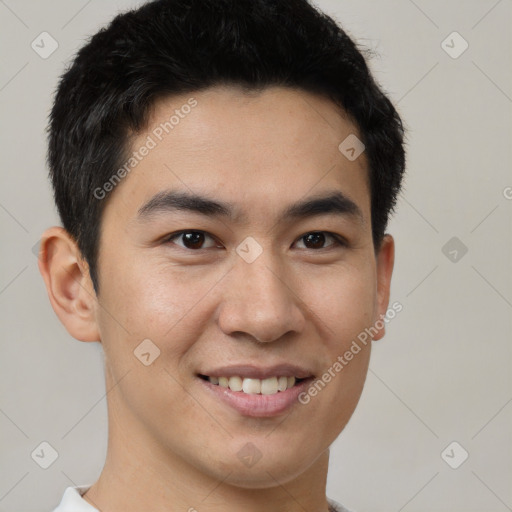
[{"x": 339, "y": 241}]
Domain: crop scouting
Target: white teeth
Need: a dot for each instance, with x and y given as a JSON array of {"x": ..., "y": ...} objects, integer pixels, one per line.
[
  {"x": 282, "y": 383},
  {"x": 269, "y": 386},
  {"x": 251, "y": 386},
  {"x": 235, "y": 384}
]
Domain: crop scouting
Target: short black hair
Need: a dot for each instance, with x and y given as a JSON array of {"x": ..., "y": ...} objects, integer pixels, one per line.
[{"x": 169, "y": 47}]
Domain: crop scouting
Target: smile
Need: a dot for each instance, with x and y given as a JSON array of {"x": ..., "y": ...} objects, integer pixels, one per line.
[
  {"x": 256, "y": 391},
  {"x": 268, "y": 386}
]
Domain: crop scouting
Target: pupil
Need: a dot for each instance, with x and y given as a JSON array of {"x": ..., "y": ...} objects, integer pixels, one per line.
[
  {"x": 317, "y": 239},
  {"x": 193, "y": 239}
]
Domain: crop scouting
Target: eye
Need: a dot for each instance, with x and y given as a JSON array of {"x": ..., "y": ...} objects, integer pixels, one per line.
[
  {"x": 316, "y": 240},
  {"x": 192, "y": 239}
]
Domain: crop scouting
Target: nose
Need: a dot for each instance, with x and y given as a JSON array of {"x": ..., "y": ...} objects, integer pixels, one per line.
[{"x": 259, "y": 301}]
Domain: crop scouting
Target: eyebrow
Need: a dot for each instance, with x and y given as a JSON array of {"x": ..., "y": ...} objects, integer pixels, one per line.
[{"x": 168, "y": 201}]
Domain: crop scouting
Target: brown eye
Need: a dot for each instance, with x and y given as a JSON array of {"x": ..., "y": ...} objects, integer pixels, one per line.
[
  {"x": 316, "y": 240},
  {"x": 193, "y": 240}
]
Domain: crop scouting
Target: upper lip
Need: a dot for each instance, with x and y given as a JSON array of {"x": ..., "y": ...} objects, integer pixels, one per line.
[{"x": 259, "y": 372}]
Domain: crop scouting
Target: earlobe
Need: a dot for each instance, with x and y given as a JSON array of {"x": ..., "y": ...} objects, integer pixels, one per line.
[
  {"x": 68, "y": 283},
  {"x": 385, "y": 264}
]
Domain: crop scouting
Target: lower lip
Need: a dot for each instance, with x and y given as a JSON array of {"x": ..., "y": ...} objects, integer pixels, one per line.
[{"x": 260, "y": 406}]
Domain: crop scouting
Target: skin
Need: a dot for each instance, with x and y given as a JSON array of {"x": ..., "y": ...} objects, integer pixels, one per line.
[{"x": 171, "y": 445}]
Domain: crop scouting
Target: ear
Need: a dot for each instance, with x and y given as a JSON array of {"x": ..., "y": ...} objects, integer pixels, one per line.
[
  {"x": 385, "y": 263},
  {"x": 68, "y": 283}
]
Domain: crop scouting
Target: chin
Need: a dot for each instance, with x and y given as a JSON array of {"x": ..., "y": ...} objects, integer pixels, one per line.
[
  {"x": 255, "y": 469},
  {"x": 261, "y": 478}
]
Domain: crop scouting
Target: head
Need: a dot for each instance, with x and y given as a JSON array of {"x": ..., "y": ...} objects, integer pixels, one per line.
[{"x": 201, "y": 154}]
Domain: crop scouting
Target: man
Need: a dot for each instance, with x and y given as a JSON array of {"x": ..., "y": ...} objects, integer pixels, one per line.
[{"x": 224, "y": 171}]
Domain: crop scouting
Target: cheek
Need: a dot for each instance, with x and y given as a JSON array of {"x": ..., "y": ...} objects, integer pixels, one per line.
[
  {"x": 343, "y": 302},
  {"x": 343, "y": 305},
  {"x": 154, "y": 299}
]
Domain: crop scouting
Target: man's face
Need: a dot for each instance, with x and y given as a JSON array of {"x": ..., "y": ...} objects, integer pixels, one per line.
[{"x": 254, "y": 294}]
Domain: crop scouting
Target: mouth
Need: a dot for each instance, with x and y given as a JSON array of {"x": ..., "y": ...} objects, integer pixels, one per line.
[{"x": 257, "y": 392}]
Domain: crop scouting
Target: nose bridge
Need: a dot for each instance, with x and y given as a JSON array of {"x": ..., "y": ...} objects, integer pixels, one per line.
[{"x": 259, "y": 301}]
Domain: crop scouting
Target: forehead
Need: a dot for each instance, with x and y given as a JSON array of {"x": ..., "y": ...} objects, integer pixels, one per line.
[{"x": 257, "y": 151}]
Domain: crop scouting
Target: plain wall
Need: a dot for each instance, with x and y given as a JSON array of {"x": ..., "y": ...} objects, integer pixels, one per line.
[{"x": 443, "y": 371}]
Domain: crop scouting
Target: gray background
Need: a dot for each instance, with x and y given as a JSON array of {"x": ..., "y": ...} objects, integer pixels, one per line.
[{"x": 443, "y": 371}]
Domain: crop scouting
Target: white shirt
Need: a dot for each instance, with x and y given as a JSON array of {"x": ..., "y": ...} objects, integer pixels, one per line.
[{"x": 72, "y": 501}]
